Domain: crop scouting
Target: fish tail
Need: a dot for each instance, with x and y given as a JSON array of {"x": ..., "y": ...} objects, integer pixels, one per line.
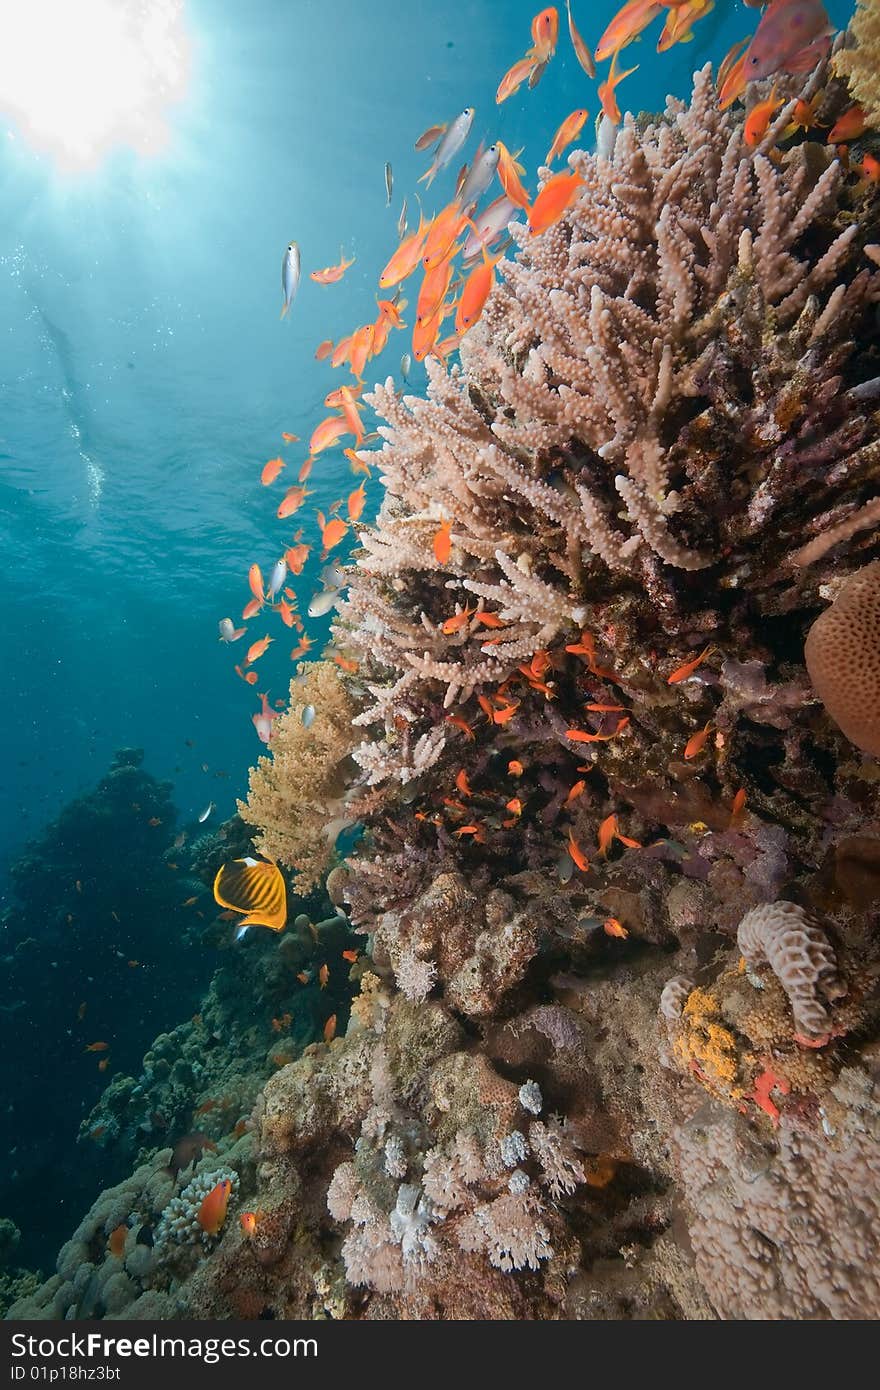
[
  {"x": 429, "y": 176},
  {"x": 284, "y": 309}
]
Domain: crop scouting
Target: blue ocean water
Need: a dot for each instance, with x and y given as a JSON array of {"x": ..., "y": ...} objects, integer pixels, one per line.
[{"x": 145, "y": 376}]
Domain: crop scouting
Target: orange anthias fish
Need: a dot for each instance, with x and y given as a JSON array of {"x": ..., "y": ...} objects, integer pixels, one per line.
[
  {"x": 545, "y": 33},
  {"x": 256, "y": 649},
  {"x": 577, "y": 855},
  {"x": 97, "y": 1047},
  {"x": 251, "y": 609},
  {"x": 248, "y": 1221},
  {"x": 323, "y": 975},
  {"x": 361, "y": 348},
  {"x": 513, "y": 79},
  {"x": 607, "y": 96},
  {"x": 356, "y": 502},
  {"x": 582, "y": 52},
  {"x": 475, "y": 292},
  {"x": 509, "y": 177},
  {"x": 456, "y": 623},
  {"x": 330, "y": 1028},
  {"x": 350, "y": 956},
  {"x": 626, "y": 25},
  {"x": 292, "y": 501},
  {"x": 462, "y": 724},
  {"x": 577, "y": 790},
  {"x": 553, "y": 201},
  {"x": 758, "y": 119},
  {"x": 515, "y": 768},
  {"x": 212, "y": 1212},
  {"x": 870, "y": 168},
  {"x": 681, "y": 673},
  {"x": 443, "y": 543},
  {"x": 270, "y": 471},
  {"x": 296, "y": 556},
  {"x": 443, "y": 231},
  {"x": 405, "y": 258},
  {"x": 116, "y": 1241},
  {"x": 680, "y": 20},
  {"x": 255, "y": 581},
  {"x": 461, "y": 781},
  {"x": 791, "y": 37},
  {"x": 569, "y": 130},
  {"x": 609, "y": 831},
  {"x": 255, "y": 888},
  {"x": 849, "y": 126},
  {"x": 331, "y": 274},
  {"x": 328, "y": 432},
  {"x": 331, "y": 531},
  {"x": 697, "y": 742},
  {"x": 349, "y": 406},
  {"x": 612, "y": 927},
  {"x": 289, "y": 438},
  {"x": 262, "y": 722},
  {"x": 732, "y": 80},
  {"x": 324, "y": 349}
]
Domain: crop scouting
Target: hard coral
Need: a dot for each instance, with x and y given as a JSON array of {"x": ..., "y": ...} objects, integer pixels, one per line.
[
  {"x": 842, "y": 653},
  {"x": 860, "y": 63},
  {"x": 797, "y": 949},
  {"x": 663, "y": 400},
  {"x": 295, "y": 796}
]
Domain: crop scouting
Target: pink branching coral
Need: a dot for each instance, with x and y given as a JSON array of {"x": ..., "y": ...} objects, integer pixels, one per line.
[{"x": 668, "y": 395}]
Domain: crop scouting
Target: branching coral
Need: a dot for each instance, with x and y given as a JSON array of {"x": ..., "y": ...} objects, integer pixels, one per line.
[
  {"x": 295, "y": 796},
  {"x": 665, "y": 400}
]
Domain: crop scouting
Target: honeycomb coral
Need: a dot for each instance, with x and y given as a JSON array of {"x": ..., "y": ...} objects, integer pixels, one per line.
[
  {"x": 843, "y": 658},
  {"x": 798, "y": 952}
]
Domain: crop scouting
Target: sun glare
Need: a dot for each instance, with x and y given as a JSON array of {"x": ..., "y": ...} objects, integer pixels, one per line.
[{"x": 80, "y": 77}]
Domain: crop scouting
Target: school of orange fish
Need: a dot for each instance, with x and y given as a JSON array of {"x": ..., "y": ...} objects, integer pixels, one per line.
[{"x": 457, "y": 250}]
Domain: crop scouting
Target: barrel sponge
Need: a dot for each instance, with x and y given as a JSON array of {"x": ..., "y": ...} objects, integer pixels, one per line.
[
  {"x": 843, "y": 658},
  {"x": 797, "y": 950}
]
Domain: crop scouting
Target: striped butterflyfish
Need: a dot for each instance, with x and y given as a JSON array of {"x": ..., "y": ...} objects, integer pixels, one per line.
[{"x": 255, "y": 888}]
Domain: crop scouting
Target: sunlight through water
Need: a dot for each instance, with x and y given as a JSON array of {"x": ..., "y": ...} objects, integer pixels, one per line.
[{"x": 81, "y": 79}]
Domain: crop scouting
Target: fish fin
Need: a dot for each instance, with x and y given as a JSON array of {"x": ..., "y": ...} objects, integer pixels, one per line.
[
  {"x": 428, "y": 177},
  {"x": 284, "y": 309},
  {"x": 242, "y": 932}
]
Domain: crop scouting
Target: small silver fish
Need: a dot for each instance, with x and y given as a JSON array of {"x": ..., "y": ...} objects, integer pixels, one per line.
[
  {"x": 333, "y": 577},
  {"x": 308, "y": 716},
  {"x": 322, "y": 603},
  {"x": 481, "y": 174},
  {"x": 489, "y": 226},
  {"x": 450, "y": 145},
  {"x": 203, "y": 816},
  {"x": 228, "y": 631},
  {"x": 290, "y": 272},
  {"x": 389, "y": 185},
  {"x": 405, "y": 366},
  {"x": 276, "y": 579},
  {"x": 402, "y": 223}
]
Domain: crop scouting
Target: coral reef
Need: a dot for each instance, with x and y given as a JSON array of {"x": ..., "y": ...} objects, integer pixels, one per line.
[
  {"x": 612, "y": 1049},
  {"x": 295, "y": 796},
  {"x": 842, "y": 653},
  {"x": 670, "y": 390},
  {"x": 860, "y": 63}
]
